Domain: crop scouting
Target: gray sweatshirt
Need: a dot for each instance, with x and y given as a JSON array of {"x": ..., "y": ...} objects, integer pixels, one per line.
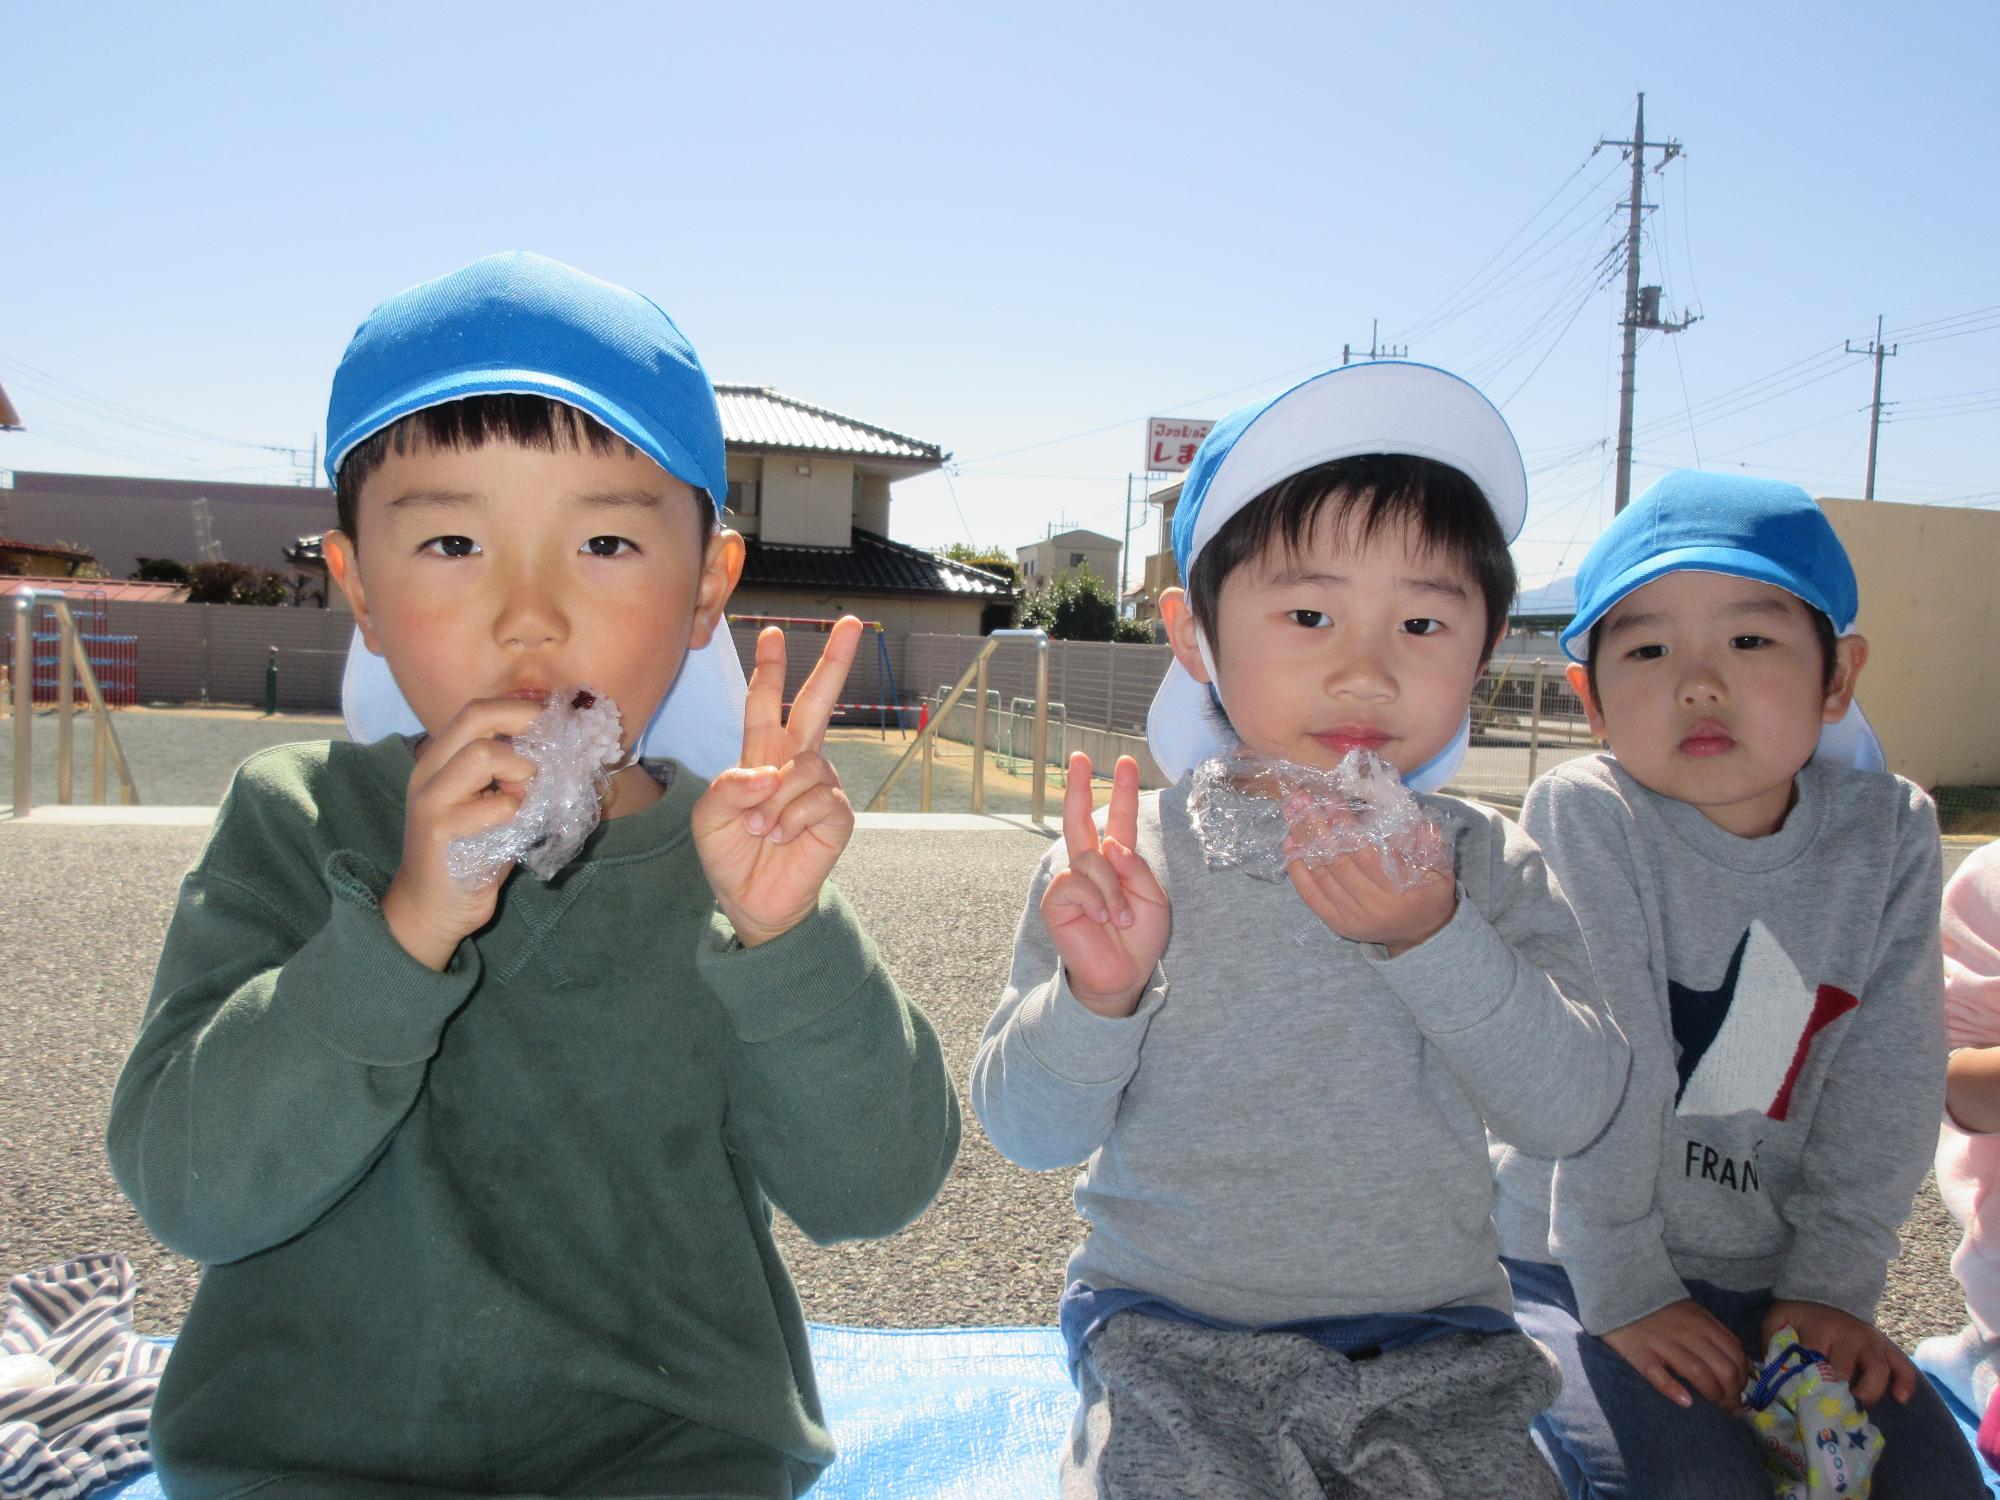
[
  {"x": 1292, "y": 1125},
  {"x": 1784, "y": 1001}
]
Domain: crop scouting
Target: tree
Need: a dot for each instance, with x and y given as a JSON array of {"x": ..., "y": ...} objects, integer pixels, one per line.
[
  {"x": 234, "y": 583},
  {"x": 1076, "y": 605},
  {"x": 160, "y": 570},
  {"x": 989, "y": 559}
]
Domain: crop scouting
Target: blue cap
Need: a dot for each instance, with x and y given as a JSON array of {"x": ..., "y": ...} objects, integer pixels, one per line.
[
  {"x": 1694, "y": 522},
  {"x": 523, "y": 324}
]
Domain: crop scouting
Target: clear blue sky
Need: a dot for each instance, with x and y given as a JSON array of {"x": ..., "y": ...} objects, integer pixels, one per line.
[{"x": 999, "y": 227}]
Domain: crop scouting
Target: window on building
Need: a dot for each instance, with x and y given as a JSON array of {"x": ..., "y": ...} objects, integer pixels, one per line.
[
  {"x": 1076, "y": 559},
  {"x": 742, "y": 498}
]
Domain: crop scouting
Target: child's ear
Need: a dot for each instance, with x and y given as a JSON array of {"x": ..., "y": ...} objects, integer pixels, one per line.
[
  {"x": 344, "y": 567},
  {"x": 1178, "y": 616},
  {"x": 1850, "y": 655},
  {"x": 1579, "y": 683},
  {"x": 721, "y": 566}
]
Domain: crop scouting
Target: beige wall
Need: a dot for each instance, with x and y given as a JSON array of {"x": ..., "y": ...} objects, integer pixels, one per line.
[
  {"x": 871, "y": 506},
  {"x": 1927, "y": 576},
  {"x": 898, "y": 616},
  {"x": 1052, "y": 555},
  {"x": 813, "y": 509}
]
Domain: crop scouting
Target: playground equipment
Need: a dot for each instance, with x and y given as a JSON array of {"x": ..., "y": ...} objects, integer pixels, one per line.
[
  {"x": 1020, "y": 719},
  {"x": 72, "y": 668},
  {"x": 924, "y": 746},
  {"x": 886, "y": 699}
]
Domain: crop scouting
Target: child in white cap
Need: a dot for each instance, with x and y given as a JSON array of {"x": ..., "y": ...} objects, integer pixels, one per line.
[
  {"x": 1290, "y": 1285},
  {"x": 1760, "y": 900},
  {"x": 481, "y": 1176}
]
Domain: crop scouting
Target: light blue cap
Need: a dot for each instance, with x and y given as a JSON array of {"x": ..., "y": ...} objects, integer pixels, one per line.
[
  {"x": 1696, "y": 522},
  {"x": 523, "y": 324},
  {"x": 1385, "y": 406},
  {"x": 1764, "y": 530}
]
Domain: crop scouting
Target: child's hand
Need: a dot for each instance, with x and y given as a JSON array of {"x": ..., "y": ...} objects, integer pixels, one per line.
[
  {"x": 468, "y": 779},
  {"x": 1860, "y": 1353},
  {"x": 1685, "y": 1339},
  {"x": 768, "y": 831},
  {"x": 1106, "y": 913},
  {"x": 1355, "y": 897}
]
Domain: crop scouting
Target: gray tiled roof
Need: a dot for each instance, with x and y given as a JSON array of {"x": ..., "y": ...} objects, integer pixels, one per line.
[
  {"x": 755, "y": 416},
  {"x": 873, "y": 563}
]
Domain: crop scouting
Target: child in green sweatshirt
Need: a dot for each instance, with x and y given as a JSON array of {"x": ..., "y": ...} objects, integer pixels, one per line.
[{"x": 481, "y": 1176}]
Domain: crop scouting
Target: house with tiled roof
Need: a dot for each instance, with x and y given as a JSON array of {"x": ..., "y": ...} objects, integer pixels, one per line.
[{"x": 809, "y": 490}]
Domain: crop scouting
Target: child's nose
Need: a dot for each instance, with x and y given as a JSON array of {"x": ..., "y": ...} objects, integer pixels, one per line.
[
  {"x": 531, "y": 614},
  {"x": 1362, "y": 672},
  {"x": 1701, "y": 685}
]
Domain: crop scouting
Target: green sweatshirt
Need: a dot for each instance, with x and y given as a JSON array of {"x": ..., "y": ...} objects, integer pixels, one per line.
[{"x": 503, "y": 1229}]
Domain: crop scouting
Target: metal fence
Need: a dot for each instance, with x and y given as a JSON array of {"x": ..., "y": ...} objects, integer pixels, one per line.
[{"x": 1525, "y": 718}]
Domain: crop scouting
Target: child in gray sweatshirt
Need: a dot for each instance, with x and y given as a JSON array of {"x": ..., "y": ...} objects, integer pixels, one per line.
[
  {"x": 1291, "y": 1284},
  {"x": 1760, "y": 902}
]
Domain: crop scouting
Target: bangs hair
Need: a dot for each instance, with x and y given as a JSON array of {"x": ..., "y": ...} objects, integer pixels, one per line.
[
  {"x": 537, "y": 422},
  {"x": 1447, "y": 511}
]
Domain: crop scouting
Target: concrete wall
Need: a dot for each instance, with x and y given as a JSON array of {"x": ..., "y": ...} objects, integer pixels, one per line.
[
  {"x": 1928, "y": 608},
  {"x": 813, "y": 509},
  {"x": 121, "y": 520}
]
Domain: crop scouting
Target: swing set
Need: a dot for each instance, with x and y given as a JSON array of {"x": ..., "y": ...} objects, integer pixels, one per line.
[{"x": 888, "y": 699}]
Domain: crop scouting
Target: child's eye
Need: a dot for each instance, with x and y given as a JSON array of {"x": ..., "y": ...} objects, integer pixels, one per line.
[
  {"x": 1646, "y": 653},
  {"x": 1749, "y": 642},
  {"x": 1312, "y": 619},
  {"x": 1423, "y": 625},
  {"x": 450, "y": 546},
  {"x": 609, "y": 546}
]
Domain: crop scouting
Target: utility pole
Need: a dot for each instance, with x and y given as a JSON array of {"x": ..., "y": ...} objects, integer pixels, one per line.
[
  {"x": 1642, "y": 304},
  {"x": 1375, "y": 351},
  {"x": 1875, "y": 412}
]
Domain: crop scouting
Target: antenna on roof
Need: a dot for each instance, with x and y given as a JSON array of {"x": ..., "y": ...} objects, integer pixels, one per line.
[{"x": 206, "y": 547}]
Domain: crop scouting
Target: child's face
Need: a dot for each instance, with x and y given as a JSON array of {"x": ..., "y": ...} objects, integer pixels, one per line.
[
  {"x": 1345, "y": 644},
  {"x": 1711, "y": 690},
  {"x": 507, "y": 571}
]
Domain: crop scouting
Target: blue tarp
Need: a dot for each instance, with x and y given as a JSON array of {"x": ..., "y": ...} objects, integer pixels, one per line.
[{"x": 923, "y": 1414}]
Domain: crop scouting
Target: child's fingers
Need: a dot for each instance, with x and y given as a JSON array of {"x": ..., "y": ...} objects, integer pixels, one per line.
[
  {"x": 764, "y": 700},
  {"x": 795, "y": 778},
  {"x": 822, "y": 808},
  {"x": 1902, "y": 1375},
  {"x": 1661, "y": 1379},
  {"x": 1113, "y": 909},
  {"x": 1715, "y": 1365},
  {"x": 1122, "y": 820},
  {"x": 730, "y": 795},
  {"x": 1079, "y": 828},
  {"x": 813, "y": 706},
  {"x": 1134, "y": 874},
  {"x": 478, "y": 765},
  {"x": 481, "y": 719}
]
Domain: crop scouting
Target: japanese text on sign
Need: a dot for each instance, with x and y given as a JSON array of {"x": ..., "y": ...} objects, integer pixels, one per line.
[{"x": 1171, "y": 443}]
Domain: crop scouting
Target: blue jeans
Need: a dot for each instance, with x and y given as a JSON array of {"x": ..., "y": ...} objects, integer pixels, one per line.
[{"x": 1611, "y": 1436}]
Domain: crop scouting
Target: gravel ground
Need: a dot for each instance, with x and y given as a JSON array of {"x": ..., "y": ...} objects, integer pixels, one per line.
[{"x": 86, "y": 908}]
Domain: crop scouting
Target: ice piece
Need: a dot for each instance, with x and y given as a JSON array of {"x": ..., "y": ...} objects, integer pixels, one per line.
[
  {"x": 1257, "y": 814},
  {"x": 571, "y": 743}
]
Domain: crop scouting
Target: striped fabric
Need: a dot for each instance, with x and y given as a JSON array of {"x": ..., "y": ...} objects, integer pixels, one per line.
[{"x": 60, "y": 1441}]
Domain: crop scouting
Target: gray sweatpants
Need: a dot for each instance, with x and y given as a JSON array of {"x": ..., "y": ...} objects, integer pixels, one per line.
[{"x": 1171, "y": 1409}]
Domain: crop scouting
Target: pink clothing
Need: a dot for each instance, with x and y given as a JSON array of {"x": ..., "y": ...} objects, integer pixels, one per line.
[{"x": 1968, "y": 1166}]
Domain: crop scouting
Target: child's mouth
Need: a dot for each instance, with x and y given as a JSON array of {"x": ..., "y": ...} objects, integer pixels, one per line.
[
  {"x": 1708, "y": 738},
  {"x": 1352, "y": 737}
]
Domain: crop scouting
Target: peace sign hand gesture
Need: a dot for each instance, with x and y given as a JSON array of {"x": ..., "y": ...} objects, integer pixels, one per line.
[
  {"x": 1106, "y": 913},
  {"x": 769, "y": 830}
]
